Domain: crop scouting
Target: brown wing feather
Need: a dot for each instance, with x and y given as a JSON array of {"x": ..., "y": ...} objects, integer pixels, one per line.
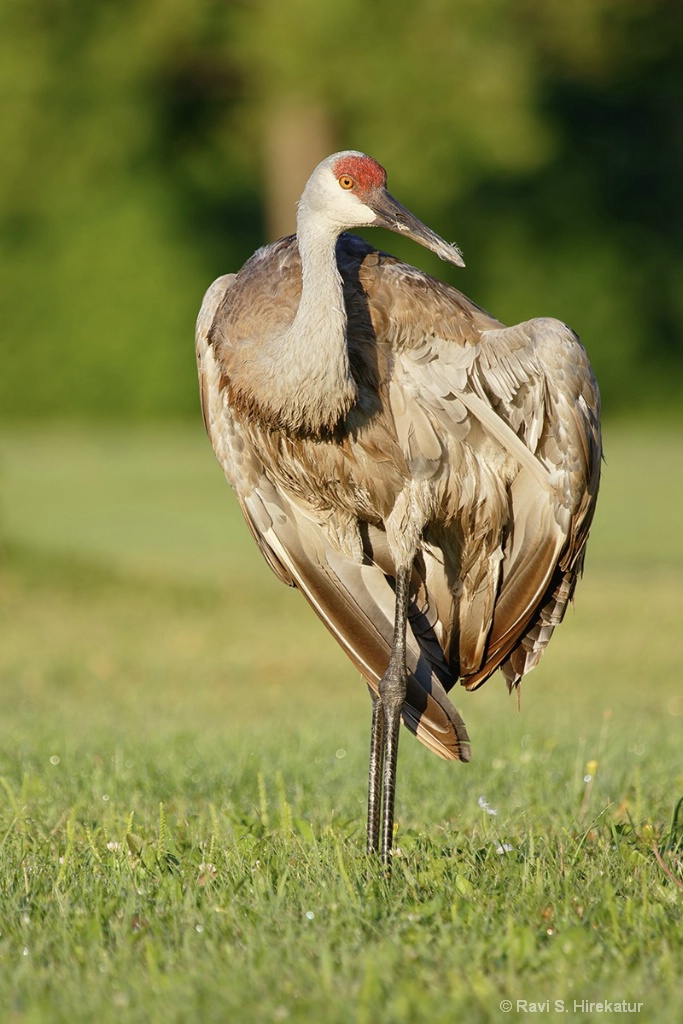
[
  {"x": 239, "y": 464},
  {"x": 538, "y": 379},
  {"x": 530, "y": 392}
]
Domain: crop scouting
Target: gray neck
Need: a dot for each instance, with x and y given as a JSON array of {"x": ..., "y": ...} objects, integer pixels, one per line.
[{"x": 318, "y": 388}]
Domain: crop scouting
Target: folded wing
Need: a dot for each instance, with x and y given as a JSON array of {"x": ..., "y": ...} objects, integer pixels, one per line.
[{"x": 517, "y": 405}]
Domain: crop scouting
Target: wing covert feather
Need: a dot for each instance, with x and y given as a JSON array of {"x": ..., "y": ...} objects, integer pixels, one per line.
[{"x": 530, "y": 390}]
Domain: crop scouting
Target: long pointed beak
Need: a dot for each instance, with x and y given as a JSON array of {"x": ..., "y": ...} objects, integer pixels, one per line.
[{"x": 391, "y": 215}]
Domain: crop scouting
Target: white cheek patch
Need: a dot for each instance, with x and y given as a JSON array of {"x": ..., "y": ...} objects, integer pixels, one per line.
[{"x": 367, "y": 212}]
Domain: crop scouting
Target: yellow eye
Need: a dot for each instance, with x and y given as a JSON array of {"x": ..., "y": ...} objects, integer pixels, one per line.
[{"x": 346, "y": 181}]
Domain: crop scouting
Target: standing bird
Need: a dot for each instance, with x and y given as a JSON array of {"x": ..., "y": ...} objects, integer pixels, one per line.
[{"x": 425, "y": 475}]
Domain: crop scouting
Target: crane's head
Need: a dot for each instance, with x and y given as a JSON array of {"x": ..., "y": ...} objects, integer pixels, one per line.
[{"x": 348, "y": 190}]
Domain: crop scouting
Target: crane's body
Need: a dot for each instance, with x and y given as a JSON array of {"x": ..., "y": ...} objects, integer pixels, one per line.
[{"x": 425, "y": 475}]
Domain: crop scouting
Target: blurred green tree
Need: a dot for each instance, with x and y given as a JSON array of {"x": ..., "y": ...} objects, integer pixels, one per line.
[{"x": 147, "y": 147}]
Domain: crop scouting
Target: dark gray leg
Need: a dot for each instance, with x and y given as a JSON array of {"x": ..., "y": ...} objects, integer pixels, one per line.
[
  {"x": 375, "y": 773},
  {"x": 386, "y": 719}
]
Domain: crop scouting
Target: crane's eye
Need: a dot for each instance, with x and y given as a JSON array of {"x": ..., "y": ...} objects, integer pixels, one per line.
[{"x": 346, "y": 181}]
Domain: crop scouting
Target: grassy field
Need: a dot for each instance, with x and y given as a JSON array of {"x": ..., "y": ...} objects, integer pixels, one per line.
[{"x": 183, "y": 758}]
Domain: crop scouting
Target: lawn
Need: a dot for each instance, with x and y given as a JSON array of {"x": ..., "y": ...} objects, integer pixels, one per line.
[{"x": 183, "y": 758}]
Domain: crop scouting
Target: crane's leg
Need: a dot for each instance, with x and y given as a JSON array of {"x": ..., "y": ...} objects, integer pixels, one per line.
[
  {"x": 386, "y": 719},
  {"x": 375, "y": 773}
]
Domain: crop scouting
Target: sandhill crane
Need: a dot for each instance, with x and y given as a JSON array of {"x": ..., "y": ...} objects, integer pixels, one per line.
[{"x": 424, "y": 475}]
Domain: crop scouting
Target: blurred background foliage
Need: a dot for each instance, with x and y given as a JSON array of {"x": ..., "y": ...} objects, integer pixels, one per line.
[{"x": 147, "y": 146}]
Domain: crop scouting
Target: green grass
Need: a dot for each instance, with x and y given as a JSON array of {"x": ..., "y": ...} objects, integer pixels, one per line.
[{"x": 183, "y": 758}]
